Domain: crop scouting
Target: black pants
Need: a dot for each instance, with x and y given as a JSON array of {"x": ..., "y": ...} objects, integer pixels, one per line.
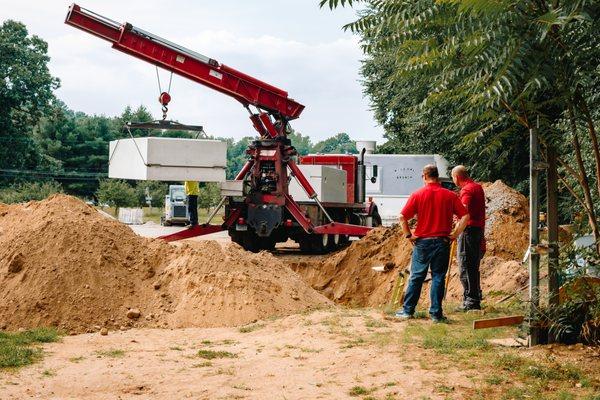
[
  {"x": 192, "y": 204},
  {"x": 469, "y": 256}
]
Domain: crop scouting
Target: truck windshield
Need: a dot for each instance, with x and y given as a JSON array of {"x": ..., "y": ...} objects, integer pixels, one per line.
[{"x": 178, "y": 194}]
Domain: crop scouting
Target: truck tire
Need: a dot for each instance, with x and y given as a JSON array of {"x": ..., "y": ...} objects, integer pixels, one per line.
[
  {"x": 250, "y": 242},
  {"x": 376, "y": 217}
]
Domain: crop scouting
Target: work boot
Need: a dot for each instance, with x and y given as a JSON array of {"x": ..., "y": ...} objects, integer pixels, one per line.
[
  {"x": 439, "y": 320},
  {"x": 402, "y": 316},
  {"x": 466, "y": 308}
]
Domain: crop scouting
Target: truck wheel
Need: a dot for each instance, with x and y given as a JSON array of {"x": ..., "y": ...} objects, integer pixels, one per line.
[
  {"x": 376, "y": 218},
  {"x": 250, "y": 242},
  {"x": 305, "y": 246},
  {"x": 267, "y": 244},
  {"x": 320, "y": 243}
]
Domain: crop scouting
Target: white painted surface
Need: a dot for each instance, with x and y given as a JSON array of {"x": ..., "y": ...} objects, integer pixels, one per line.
[
  {"x": 131, "y": 216},
  {"x": 398, "y": 176},
  {"x": 329, "y": 184},
  {"x": 168, "y": 159}
]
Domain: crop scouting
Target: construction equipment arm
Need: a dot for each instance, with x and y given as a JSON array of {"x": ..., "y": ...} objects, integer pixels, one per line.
[{"x": 187, "y": 63}]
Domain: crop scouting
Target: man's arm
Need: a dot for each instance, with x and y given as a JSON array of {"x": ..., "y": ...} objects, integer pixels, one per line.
[
  {"x": 404, "y": 225},
  {"x": 460, "y": 227}
]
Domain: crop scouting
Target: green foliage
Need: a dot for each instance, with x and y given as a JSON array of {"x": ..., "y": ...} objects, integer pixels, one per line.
[
  {"x": 23, "y": 192},
  {"x": 302, "y": 143},
  {"x": 211, "y": 354},
  {"x": 469, "y": 78},
  {"x": 116, "y": 193},
  {"x": 338, "y": 144},
  {"x": 210, "y": 195},
  {"x": 156, "y": 190},
  {"x": 16, "y": 349},
  {"x": 577, "y": 317},
  {"x": 25, "y": 94}
]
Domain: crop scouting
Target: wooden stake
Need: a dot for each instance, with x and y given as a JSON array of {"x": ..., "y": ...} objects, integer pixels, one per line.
[{"x": 495, "y": 322}]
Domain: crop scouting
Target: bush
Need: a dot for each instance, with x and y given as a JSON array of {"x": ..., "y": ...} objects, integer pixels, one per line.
[
  {"x": 157, "y": 190},
  {"x": 23, "y": 192},
  {"x": 210, "y": 195},
  {"x": 116, "y": 193}
]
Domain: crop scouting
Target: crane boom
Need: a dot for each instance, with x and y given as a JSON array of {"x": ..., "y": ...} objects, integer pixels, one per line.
[{"x": 187, "y": 63}]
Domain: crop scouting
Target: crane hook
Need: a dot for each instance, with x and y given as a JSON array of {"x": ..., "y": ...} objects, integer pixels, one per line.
[{"x": 164, "y": 100}]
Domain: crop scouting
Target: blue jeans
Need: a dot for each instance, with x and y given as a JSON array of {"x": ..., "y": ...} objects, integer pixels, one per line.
[{"x": 434, "y": 253}]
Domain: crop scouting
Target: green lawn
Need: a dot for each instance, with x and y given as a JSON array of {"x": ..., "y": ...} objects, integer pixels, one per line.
[
  {"x": 156, "y": 212},
  {"x": 21, "y": 348}
]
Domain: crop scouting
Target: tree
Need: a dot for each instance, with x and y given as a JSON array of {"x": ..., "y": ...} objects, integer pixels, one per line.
[
  {"x": 302, "y": 143},
  {"x": 236, "y": 155},
  {"x": 23, "y": 192},
  {"x": 157, "y": 190},
  {"x": 116, "y": 193},
  {"x": 25, "y": 94},
  {"x": 210, "y": 195},
  {"x": 498, "y": 68},
  {"x": 338, "y": 144}
]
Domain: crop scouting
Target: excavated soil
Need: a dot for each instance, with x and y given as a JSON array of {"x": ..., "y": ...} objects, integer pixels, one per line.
[
  {"x": 63, "y": 264},
  {"x": 347, "y": 276}
]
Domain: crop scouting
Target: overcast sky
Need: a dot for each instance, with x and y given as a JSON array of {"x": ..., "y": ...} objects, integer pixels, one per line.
[{"x": 291, "y": 44}]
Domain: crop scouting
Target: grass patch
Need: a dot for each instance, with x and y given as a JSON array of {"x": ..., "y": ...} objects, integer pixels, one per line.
[
  {"x": 110, "y": 353},
  {"x": 374, "y": 323},
  {"x": 210, "y": 354},
  {"x": 18, "y": 349},
  {"x": 358, "y": 391},
  {"x": 448, "y": 339},
  {"x": 494, "y": 380},
  {"x": 48, "y": 373},
  {"x": 251, "y": 328},
  {"x": 203, "y": 364},
  {"x": 353, "y": 343},
  {"x": 77, "y": 359}
]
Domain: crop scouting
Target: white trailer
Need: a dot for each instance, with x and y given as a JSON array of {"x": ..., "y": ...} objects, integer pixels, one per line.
[{"x": 397, "y": 176}]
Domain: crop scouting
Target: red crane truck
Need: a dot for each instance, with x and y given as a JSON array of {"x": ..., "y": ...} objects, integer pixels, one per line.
[{"x": 266, "y": 213}]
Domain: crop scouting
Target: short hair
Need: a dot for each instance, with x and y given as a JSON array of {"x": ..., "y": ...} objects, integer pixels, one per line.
[
  {"x": 431, "y": 171},
  {"x": 460, "y": 171}
]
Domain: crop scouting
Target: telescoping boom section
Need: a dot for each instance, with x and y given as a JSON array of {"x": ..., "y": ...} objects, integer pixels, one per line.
[
  {"x": 187, "y": 63},
  {"x": 262, "y": 212}
]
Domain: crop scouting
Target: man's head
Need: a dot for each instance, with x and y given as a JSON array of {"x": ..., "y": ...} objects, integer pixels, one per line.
[
  {"x": 430, "y": 173},
  {"x": 460, "y": 175}
]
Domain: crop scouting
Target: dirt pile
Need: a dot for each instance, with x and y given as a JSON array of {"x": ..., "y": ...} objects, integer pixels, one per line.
[
  {"x": 507, "y": 223},
  {"x": 347, "y": 277},
  {"x": 63, "y": 264}
]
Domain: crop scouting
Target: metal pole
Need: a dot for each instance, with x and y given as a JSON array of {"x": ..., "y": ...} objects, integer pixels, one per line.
[
  {"x": 552, "y": 221},
  {"x": 534, "y": 257},
  {"x": 216, "y": 210}
]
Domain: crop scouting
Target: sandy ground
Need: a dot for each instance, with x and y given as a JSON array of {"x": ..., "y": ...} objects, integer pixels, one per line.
[
  {"x": 151, "y": 230},
  {"x": 311, "y": 356}
]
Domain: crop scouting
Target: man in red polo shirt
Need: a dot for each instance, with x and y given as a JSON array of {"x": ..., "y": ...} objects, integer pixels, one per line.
[
  {"x": 435, "y": 208},
  {"x": 471, "y": 241}
]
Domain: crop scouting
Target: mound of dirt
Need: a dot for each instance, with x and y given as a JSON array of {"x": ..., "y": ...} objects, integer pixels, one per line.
[
  {"x": 507, "y": 223},
  {"x": 347, "y": 277},
  {"x": 63, "y": 264}
]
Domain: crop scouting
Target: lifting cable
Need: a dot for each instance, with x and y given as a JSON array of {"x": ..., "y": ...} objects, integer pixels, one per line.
[{"x": 164, "y": 97}]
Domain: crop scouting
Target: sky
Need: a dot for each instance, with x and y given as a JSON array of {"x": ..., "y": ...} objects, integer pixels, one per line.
[{"x": 291, "y": 44}]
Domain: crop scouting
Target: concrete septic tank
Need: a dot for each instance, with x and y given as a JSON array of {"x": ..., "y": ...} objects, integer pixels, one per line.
[{"x": 168, "y": 159}]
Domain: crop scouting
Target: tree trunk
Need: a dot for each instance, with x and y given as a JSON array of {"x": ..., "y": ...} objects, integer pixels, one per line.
[
  {"x": 583, "y": 181},
  {"x": 593, "y": 138}
]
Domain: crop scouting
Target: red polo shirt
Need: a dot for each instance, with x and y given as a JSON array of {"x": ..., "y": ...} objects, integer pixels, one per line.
[
  {"x": 472, "y": 196},
  {"x": 435, "y": 208}
]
